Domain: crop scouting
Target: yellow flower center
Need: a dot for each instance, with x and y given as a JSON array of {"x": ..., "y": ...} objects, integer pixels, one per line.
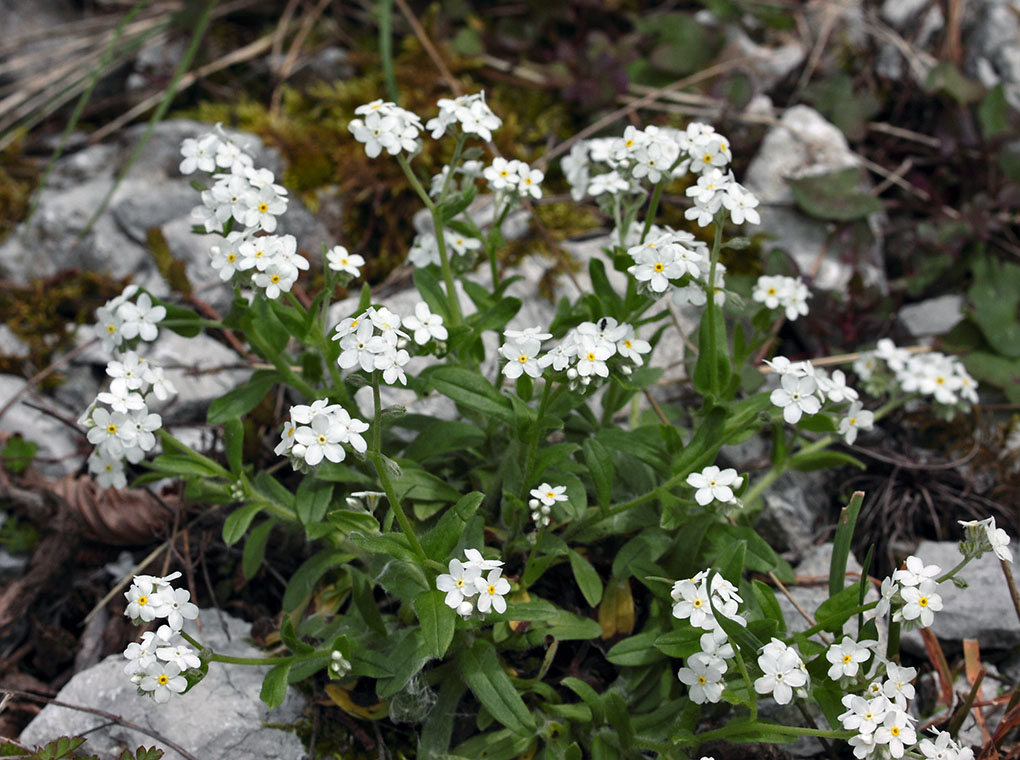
[
  {"x": 771, "y": 291},
  {"x": 923, "y": 601},
  {"x": 143, "y": 600},
  {"x": 108, "y": 467},
  {"x": 111, "y": 428},
  {"x": 702, "y": 680},
  {"x": 263, "y": 208},
  {"x": 492, "y": 589},
  {"x": 697, "y": 604},
  {"x": 895, "y": 730},
  {"x": 629, "y": 143},
  {"x": 550, "y": 495},
  {"x": 343, "y": 262},
  {"x": 722, "y": 147},
  {"x": 322, "y": 439},
  {"x": 460, "y": 583},
  {"x": 275, "y": 278},
  {"x": 779, "y": 676},
  {"x": 231, "y": 257},
  {"x": 162, "y": 679},
  {"x": 707, "y": 158},
  {"x": 111, "y": 328},
  {"x": 523, "y": 358},
  {"x": 658, "y": 266},
  {"x": 259, "y": 254},
  {"x": 290, "y": 433},
  {"x": 853, "y": 421},
  {"x": 627, "y": 343},
  {"x": 591, "y": 356},
  {"x": 846, "y": 659}
]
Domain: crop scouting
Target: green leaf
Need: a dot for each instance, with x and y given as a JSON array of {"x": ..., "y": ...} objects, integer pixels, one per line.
[
  {"x": 480, "y": 668},
  {"x": 437, "y": 730},
  {"x": 603, "y": 288},
  {"x": 420, "y": 485},
  {"x": 18, "y": 453},
  {"x": 995, "y": 298},
  {"x": 274, "y": 686},
  {"x": 439, "y": 542},
  {"x": 587, "y": 694},
  {"x": 495, "y": 317},
  {"x": 312, "y": 500},
  {"x": 255, "y": 548},
  {"x": 997, "y": 117},
  {"x": 770, "y": 608},
  {"x": 304, "y": 579},
  {"x": 587, "y": 578},
  {"x": 823, "y": 460},
  {"x": 841, "y": 542},
  {"x": 636, "y": 650},
  {"x": 600, "y": 467},
  {"x": 185, "y": 466},
  {"x": 996, "y": 370},
  {"x": 619, "y": 717},
  {"x": 179, "y": 319},
  {"x": 838, "y": 604},
  {"x": 237, "y": 522},
  {"x": 353, "y": 521},
  {"x": 238, "y": 402},
  {"x": 681, "y": 643},
  {"x": 456, "y": 203},
  {"x": 437, "y": 622},
  {"x": 442, "y": 437},
  {"x": 391, "y": 544},
  {"x": 431, "y": 292},
  {"x": 470, "y": 389},
  {"x": 834, "y": 195},
  {"x": 712, "y": 371}
]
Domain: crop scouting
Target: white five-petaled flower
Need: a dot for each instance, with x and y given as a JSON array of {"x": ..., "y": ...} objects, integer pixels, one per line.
[
  {"x": 847, "y": 657},
  {"x": 475, "y": 559},
  {"x": 863, "y": 715},
  {"x": 856, "y": 418},
  {"x": 340, "y": 260},
  {"x": 181, "y": 655},
  {"x": 425, "y": 325},
  {"x": 796, "y": 397},
  {"x": 491, "y": 590},
  {"x": 162, "y": 681},
  {"x": 139, "y": 319},
  {"x": 783, "y": 672},
  {"x": 176, "y": 606},
  {"x": 896, "y": 731},
  {"x": 704, "y": 680},
  {"x": 915, "y": 572},
  {"x": 897, "y": 687},
  {"x": 522, "y": 357},
  {"x": 920, "y": 603},
  {"x": 321, "y": 439},
  {"x": 548, "y": 495},
  {"x": 713, "y": 484}
]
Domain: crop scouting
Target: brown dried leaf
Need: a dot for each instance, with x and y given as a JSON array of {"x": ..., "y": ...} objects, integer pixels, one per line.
[{"x": 121, "y": 517}]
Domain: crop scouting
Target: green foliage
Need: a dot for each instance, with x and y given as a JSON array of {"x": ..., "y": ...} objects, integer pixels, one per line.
[
  {"x": 834, "y": 196},
  {"x": 17, "y": 454}
]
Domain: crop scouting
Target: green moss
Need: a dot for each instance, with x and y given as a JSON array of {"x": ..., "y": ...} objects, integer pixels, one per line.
[{"x": 18, "y": 179}]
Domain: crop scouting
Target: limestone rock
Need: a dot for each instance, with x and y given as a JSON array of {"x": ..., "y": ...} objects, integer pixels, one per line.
[
  {"x": 221, "y": 718},
  {"x": 936, "y": 316}
]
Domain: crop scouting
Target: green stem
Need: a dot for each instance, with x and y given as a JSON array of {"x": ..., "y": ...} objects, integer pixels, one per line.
[
  {"x": 653, "y": 207},
  {"x": 375, "y": 454},
  {"x": 490, "y": 244},
  {"x": 952, "y": 573},
  {"x": 774, "y": 728},
  {"x": 712, "y": 309},
  {"x": 747, "y": 681},
  {"x": 251, "y": 660},
  {"x": 453, "y": 167},
  {"x": 453, "y": 300}
]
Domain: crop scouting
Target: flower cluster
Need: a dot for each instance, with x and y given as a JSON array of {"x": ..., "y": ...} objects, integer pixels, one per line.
[
  {"x": 320, "y": 431},
  {"x": 942, "y": 378},
  {"x": 804, "y": 388},
  {"x": 469, "y": 112},
  {"x": 241, "y": 193},
  {"x": 469, "y": 590},
  {"x": 248, "y": 196},
  {"x": 119, "y": 422},
  {"x": 677, "y": 263},
  {"x": 614, "y": 167},
  {"x": 372, "y": 341},
  {"x": 339, "y": 259},
  {"x": 584, "y": 354},
  {"x": 787, "y": 293},
  {"x": 543, "y": 499},
  {"x": 121, "y": 320},
  {"x": 513, "y": 179},
  {"x": 386, "y": 126},
  {"x": 982, "y": 536},
  {"x": 157, "y": 663}
]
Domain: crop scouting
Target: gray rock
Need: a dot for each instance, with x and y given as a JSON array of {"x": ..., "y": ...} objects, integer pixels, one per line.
[
  {"x": 766, "y": 64},
  {"x": 11, "y": 345},
  {"x": 792, "y": 507},
  {"x": 806, "y": 144},
  {"x": 219, "y": 719},
  {"x": 58, "y": 444},
  {"x": 992, "y": 44},
  {"x": 982, "y": 611},
  {"x": 936, "y": 316}
]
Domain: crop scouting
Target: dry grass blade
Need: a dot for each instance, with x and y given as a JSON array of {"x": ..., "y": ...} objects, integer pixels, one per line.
[{"x": 938, "y": 661}]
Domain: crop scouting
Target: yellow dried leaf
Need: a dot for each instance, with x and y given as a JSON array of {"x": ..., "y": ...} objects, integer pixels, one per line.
[
  {"x": 342, "y": 699},
  {"x": 616, "y": 612}
]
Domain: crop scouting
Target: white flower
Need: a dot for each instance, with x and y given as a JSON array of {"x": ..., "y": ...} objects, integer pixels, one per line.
[
  {"x": 529, "y": 182},
  {"x": 161, "y": 386},
  {"x": 919, "y": 603},
  {"x": 140, "y": 655},
  {"x": 425, "y": 325},
  {"x": 522, "y": 357},
  {"x": 713, "y": 484},
  {"x": 716, "y": 649},
  {"x": 121, "y": 398},
  {"x": 389, "y": 127},
  {"x": 916, "y": 572},
  {"x": 176, "y": 607},
  {"x": 338, "y": 664},
  {"x": 108, "y": 328},
  {"x": 608, "y": 182},
  {"x": 162, "y": 681},
  {"x": 704, "y": 681},
  {"x": 459, "y": 583},
  {"x": 424, "y": 250},
  {"x": 501, "y": 174},
  {"x": 631, "y": 347},
  {"x": 108, "y": 470},
  {"x": 863, "y": 715},
  {"x": 837, "y": 390},
  {"x": 847, "y": 657},
  {"x": 896, "y": 731},
  {"x": 796, "y": 397},
  {"x": 692, "y": 603},
  {"x": 549, "y": 495},
  {"x": 392, "y": 362},
  {"x": 491, "y": 591},
  {"x": 321, "y": 439},
  {"x": 783, "y": 672},
  {"x": 741, "y": 204},
  {"x": 897, "y": 687},
  {"x": 943, "y": 748},
  {"x": 111, "y": 433},
  {"x": 857, "y": 418},
  {"x": 199, "y": 154},
  {"x": 339, "y": 260},
  {"x": 261, "y": 207},
  {"x": 183, "y": 656},
  {"x": 592, "y": 355},
  {"x": 889, "y": 589},
  {"x": 475, "y": 559},
  {"x": 143, "y": 601},
  {"x": 461, "y": 244},
  {"x": 356, "y": 347},
  {"x": 140, "y": 319},
  {"x": 130, "y": 369},
  {"x": 470, "y": 111},
  {"x": 657, "y": 264}
]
